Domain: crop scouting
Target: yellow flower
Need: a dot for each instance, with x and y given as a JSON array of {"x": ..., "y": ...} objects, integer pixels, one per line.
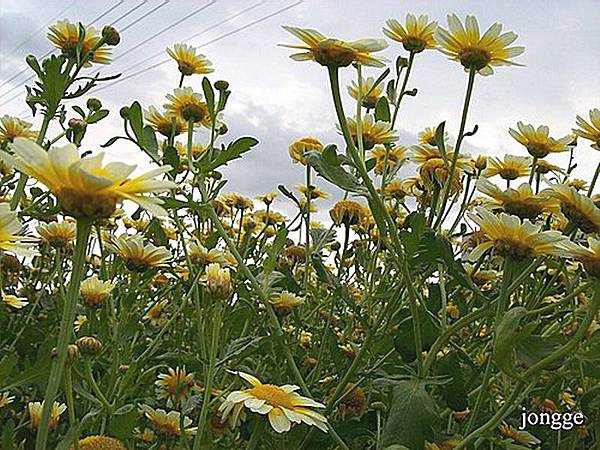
[
  {"x": 138, "y": 224},
  {"x": 6, "y": 399},
  {"x": 58, "y": 234},
  {"x": 138, "y": 256},
  {"x": 284, "y": 302},
  {"x": 188, "y": 61},
  {"x": 369, "y": 93},
  {"x": 165, "y": 124},
  {"x": 588, "y": 256},
  {"x": 346, "y": 212},
  {"x": 543, "y": 167},
  {"x": 396, "y": 189},
  {"x": 83, "y": 186},
  {"x": 427, "y": 136},
  {"x": 237, "y": 201},
  {"x": 578, "y": 184},
  {"x": 188, "y": 105},
  {"x": 201, "y": 255},
  {"x": 155, "y": 313},
  {"x": 65, "y": 36},
  {"x": 578, "y": 208},
  {"x": 10, "y": 240},
  {"x": 396, "y": 156},
  {"x": 302, "y": 146},
  {"x": 217, "y": 281},
  {"x": 13, "y": 127},
  {"x": 175, "y": 385},
  {"x": 95, "y": 292},
  {"x": 165, "y": 423},
  {"x": 334, "y": 52},
  {"x": 521, "y": 202},
  {"x": 315, "y": 192},
  {"x": 416, "y": 36},
  {"x": 269, "y": 218},
  {"x": 510, "y": 168},
  {"x": 281, "y": 403},
  {"x": 100, "y": 443},
  {"x": 80, "y": 321},
  {"x": 473, "y": 51},
  {"x": 14, "y": 302},
  {"x": 590, "y": 131},
  {"x": 35, "y": 414},
  {"x": 373, "y": 132},
  {"x": 509, "y": 236},
  {"x": 519, "y": 437},
  {"x": 268, "y": 198},
  {"x": 197, "y": 150},
  {"x": 537, "y": 142}
]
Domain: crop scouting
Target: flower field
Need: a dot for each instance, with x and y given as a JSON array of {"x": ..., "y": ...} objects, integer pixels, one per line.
[{"x": 450, "y": 301}]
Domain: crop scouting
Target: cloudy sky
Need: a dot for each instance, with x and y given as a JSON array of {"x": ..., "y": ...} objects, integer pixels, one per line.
[{"x": 279, "y": 100}]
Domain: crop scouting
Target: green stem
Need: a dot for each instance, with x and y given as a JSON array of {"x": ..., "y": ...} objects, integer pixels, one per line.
[
  {"x": 20, "y": 189},
  {"x": 593, "y": 183},
  {"x": 214, "y": 344},
  {"x": 461, "y": 135},
  {"x": 411, "y": 58},
  {"x": 66, "y": 330},
  {"x": 68, "y": 382},
  {"x": 307, "y": 243}
]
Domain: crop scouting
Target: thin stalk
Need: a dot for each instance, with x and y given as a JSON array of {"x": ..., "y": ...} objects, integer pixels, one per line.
[
  {"x": 461, "y": 135},
  {"x": 66, "y": 330},
  {"x": 307, "y": 243},
  {"x": 411, "y": 59},
  {"x": 593, "y": 183}
]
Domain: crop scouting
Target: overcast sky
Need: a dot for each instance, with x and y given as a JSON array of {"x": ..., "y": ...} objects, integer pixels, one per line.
[{"x": 279, "y": 100}]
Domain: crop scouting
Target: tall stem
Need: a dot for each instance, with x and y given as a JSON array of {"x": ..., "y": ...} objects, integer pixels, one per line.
[
  {"x": 461, "y": 135},
  {"x": 66, "y": 330},
  {"x": 20, "y": 189},
  {"x": 593, "y": 183},
  {"x": 411, "y": 59},
  {"x": 307, "y": 243}
]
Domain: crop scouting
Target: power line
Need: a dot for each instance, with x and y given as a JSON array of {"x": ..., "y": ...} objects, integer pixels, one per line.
[
  {"x": 35, "y": 33},
  {"x": 143, "y": 16},
  {"x": 167, "y": 28},
  {"x": 125, "y": 14},
  {"x": 212, "y": 41},
  {"x": 47, "y": 54},
  {"x": 199, "y": 33}
]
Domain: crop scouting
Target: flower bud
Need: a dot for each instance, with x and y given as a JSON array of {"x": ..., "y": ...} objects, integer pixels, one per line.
[
  {"x": 221, "y": 85},
  {"x": 124, "y": 112},
  {"x": 481, "y": 162},
  {"x": 217, "y": 281},
  {"x": 111, "y": 35},
  {"x": 94, "y": 104},
  {"x": 77, "y": 124},
  {"x": 89, "y": 345}
]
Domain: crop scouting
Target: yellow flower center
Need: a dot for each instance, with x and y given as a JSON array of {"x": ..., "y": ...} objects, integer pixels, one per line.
[
  {"x": 414, "y": 44},
  {"x": 272, "y": 395},
  {"x": 523, "y": 209},
  {"x": 87, "y": 204},
  {"x": 474, "y": 57},
  {"x": 538, "y": 149},
  {"x": 509, "y": 173},
  {"x": 512, "y": 247},
  {"x": 333, "y": 53}
]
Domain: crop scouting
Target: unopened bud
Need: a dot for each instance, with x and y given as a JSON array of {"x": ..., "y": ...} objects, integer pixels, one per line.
[
  {"x": 221, "y": 85},
  {"x": 77, "y": 124},
  {"x": 94, "y": 104},
  {"x": 89, "y": 345},
  {"x": 124, "y": 112},
  {"x": 111, "y": 35}
]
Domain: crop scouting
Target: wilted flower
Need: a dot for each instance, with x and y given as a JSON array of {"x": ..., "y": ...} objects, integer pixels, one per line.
[
  {"x": 353, "y": 402},
  {"x": 281, "y": 403},
  {"x": 100, "y": 443},
  {"x": 346, "y": 212}
]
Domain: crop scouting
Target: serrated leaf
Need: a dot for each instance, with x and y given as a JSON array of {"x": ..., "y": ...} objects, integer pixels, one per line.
[
  {"x": 233, "y": 151},
  {"x": 334, "y": 173}
]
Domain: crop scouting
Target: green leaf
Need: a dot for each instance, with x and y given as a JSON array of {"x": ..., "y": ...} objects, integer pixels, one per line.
[
  {"x": 171, "y": 158},
  {"x": 334, "y": 173},
  {"x": 111, "y": 141},
  {"x": 454, "y": 392},
  {"x": 439, "y": 140},
  {"x": 506, "y": 338},
  {"x": 413, "y": 416},
  {"x": 121, "y": 426},
  {"x": 382, "y": 110},
  {"x": 274, "y": 251},
  {"x": 136, "y": 120},
  {"x": 233, "y": 151},
  {"x": 404, "y": 340},
  {"x": 79, "y": 111},
  {"x": 590, "y": 404},
  {"x": 97, "y": 116},
  {"x": 8, "y": 433},
  {"x": 209, "y": 94}
]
